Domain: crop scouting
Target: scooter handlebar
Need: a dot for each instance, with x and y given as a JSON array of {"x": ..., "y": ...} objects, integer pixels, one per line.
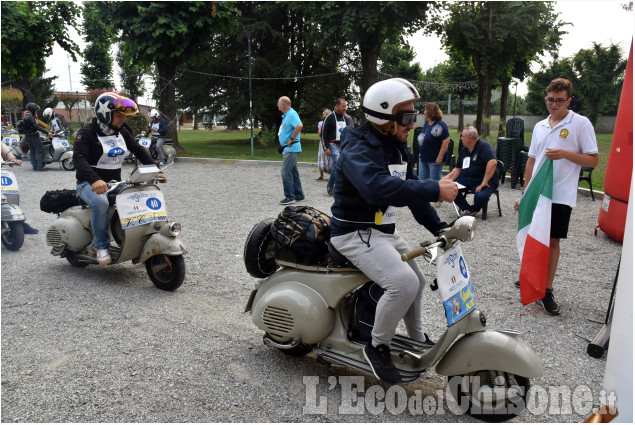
[{"x": 413, "y": 254}]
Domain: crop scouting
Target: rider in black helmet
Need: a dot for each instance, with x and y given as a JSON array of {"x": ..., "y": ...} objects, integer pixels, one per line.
[{"x": 36, "y": 149}]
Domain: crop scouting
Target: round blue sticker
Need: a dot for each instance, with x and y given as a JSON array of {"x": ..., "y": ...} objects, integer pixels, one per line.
[
  {"x": 6, "y": 181},
  {"x": 463, "y": 267},
  {"x": 114, "y": 152},
  {"x": 153, "y": 203}
]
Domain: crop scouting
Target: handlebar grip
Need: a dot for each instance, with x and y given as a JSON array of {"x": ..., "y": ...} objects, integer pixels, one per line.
[{"x": 413, "y": 254}]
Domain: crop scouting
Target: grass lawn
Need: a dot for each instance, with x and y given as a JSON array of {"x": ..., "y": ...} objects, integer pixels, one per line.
[{"x": 236, "y": 144}]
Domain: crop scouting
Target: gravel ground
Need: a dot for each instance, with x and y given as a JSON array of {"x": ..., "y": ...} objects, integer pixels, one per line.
[{"x": 102, "y": 344}]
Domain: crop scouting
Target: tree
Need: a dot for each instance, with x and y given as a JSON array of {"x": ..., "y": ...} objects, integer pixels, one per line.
[
  {"x": 166, "y": 34},
  {"x": 600, "y": 72},
  {"x": 398, "y": 59},
  {"x": 131, "y": 74},
  {"x": 29, "y": 30},
  {"x": 97, "y": 66},
  {"x": 69, "y": 99},
  {"x": 11, "y": 100},
  {"x": 368, "y": 25},
  {"x": 496, "y": 38},
  {"x": 537, "y": 83}
]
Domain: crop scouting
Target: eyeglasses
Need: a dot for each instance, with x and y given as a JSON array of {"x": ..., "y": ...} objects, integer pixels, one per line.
[
  {"x": 559, "y": 102},
  {"x": 125, "y": 106}
]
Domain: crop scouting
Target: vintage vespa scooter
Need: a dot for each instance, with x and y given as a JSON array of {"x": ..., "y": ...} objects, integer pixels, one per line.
[
  {"x": 12, "y": 215},
  {"x": 137, "y": 223},
  {"x": 304, "y": 309}
]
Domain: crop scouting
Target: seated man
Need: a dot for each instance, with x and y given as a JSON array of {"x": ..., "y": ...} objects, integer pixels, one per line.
[
  {"x": 476, "y": 170},
  {"x": 374, "y": 177}
]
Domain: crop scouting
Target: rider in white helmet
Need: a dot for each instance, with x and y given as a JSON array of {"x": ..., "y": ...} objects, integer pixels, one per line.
[
  {"x": 375, "y": 175},
  {"x": 56, "y": 120},
  {"x": 159, "y": 129}
]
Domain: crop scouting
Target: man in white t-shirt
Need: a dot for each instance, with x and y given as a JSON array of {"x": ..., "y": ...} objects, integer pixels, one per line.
[{"x": 569, "y": 140}]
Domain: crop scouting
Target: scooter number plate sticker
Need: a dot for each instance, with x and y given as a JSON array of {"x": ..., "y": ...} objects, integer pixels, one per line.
[
  {"x": 455, "y": 285},
  {"x": 11, "y": 140},
  {"x": 9, "y": 183},
  {"x": 139, "y": 208},
  {"x": 60, "y": 143},
  {"x": 145, "y": 143}
]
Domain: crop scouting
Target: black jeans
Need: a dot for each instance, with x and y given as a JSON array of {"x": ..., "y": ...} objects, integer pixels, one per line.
[{"x": 36, "y": 151}]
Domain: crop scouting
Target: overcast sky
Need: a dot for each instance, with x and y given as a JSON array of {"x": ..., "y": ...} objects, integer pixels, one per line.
[{"x": 597, "y": 21}]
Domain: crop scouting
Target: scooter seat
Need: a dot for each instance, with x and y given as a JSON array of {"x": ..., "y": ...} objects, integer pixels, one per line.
[{"x": 336, "y": 259}]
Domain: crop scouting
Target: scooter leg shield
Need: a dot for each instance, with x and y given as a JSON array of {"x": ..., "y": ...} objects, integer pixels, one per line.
[
  {"x": 161, "y": 244},
  {"x": 490, "y": 350}
]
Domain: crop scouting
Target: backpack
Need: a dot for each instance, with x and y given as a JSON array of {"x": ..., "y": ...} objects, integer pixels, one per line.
[
  {"x": 21, "y": 126},
  {"x": 301, "y": 234},
  {"x": 56, "y": 201},
  {"x": 361, "y": 313}
]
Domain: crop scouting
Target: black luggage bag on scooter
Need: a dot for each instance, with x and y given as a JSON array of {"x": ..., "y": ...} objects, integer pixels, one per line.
[
  {"x": 56, "y": 201},
  {"x": 302, "y": 234}
]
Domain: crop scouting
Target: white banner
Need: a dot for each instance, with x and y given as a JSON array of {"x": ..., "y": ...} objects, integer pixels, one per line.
[
  {"x": 142, "y": 207},
  {"x": 455, "y": 285}
]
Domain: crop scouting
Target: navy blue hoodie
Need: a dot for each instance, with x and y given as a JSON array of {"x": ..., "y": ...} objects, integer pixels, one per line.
[{"x": 364, "y": 185}]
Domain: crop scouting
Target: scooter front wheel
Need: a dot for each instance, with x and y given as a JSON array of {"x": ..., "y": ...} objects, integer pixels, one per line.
[
  {"x": 166, "y": 272},
  {"x": 490, "y": 395},
  {"x": 12, "y": 235},
  {"x": 68, "y": 164}
]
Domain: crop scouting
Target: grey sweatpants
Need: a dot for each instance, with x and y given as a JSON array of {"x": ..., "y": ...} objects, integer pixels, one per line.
[{"x": 378, "y": 256}]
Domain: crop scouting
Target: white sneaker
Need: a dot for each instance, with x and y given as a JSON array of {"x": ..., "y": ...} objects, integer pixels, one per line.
[{"x": 103, "y": 257}]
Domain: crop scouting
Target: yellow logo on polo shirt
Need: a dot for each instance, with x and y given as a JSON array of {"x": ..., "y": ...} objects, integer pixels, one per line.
[{"x": 564, "y": 133}]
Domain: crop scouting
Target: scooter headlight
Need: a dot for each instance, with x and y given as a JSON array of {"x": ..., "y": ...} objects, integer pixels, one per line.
[{"x": 174, "y": 228}]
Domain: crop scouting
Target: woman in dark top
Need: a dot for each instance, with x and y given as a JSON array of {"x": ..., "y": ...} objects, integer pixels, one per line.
[{"x": 433, "y": 143}]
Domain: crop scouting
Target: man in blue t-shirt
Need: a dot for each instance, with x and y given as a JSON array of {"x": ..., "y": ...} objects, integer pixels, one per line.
[
  {"x": 289, "y": 136},
  {"x": 476, "y": 170}
]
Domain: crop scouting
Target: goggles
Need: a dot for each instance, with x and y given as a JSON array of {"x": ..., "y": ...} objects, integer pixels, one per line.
[
  {"x": 405, "y": 118},
  {"x": 125, "y": 106}
]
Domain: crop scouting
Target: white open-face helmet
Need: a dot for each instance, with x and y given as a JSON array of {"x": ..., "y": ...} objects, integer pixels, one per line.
[
  {"x": 48, "y": 112},
  {"x": 154, "y": 113},
  {"x": 383, "y": 99}
]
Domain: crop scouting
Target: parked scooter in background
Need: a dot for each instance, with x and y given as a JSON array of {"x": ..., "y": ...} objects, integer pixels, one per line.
[
  {"x": 55, "y": 150},
  {"x": 150, "y": 142},
  {"x": 307, "y": 308},
  {"x": 59, "y": 150},
  {"x": 12, "y": 215},
  {"x": 138, "y": 224},
  {"x": 12, "y": 138}
]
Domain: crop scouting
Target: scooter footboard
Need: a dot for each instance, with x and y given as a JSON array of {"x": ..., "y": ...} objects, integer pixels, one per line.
[{"x": 490, "y": 350}]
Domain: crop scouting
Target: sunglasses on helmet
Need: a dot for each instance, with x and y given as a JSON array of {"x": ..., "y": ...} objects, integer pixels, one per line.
[{"x": 405, "y": 118}]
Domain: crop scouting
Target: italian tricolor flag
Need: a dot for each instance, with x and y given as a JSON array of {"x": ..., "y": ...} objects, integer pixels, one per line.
[{"x": 534, "y": 229}]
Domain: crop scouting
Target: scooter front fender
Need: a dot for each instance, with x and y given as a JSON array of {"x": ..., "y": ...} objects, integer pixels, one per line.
[
  {"x": 12, "y": 212},
  {"x": 67, "y": 154},
  {"x": 159, "y": 243},
  {"x": 490, "y": 350}
]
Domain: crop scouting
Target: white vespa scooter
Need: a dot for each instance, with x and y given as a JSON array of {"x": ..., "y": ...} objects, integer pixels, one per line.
[
  {"x": 304, "y": 309},
  {"x": 137, "y": 223},
  {"x": 12, "y": 215}
]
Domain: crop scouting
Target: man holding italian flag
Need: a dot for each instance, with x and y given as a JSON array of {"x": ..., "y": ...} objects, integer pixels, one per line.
[{"x": 561, "y": 144}]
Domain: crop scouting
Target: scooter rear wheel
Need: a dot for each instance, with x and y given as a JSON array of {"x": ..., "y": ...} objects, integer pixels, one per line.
[
  {"x": 260, "y": 250},
  {"x": 167, "y": 272},
  {"x": 12, "y": 235},
  {"x": 490, "y": 395}
]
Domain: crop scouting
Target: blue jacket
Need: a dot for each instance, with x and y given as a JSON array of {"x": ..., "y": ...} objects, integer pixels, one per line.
[{"x": 363, "y": 184}]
